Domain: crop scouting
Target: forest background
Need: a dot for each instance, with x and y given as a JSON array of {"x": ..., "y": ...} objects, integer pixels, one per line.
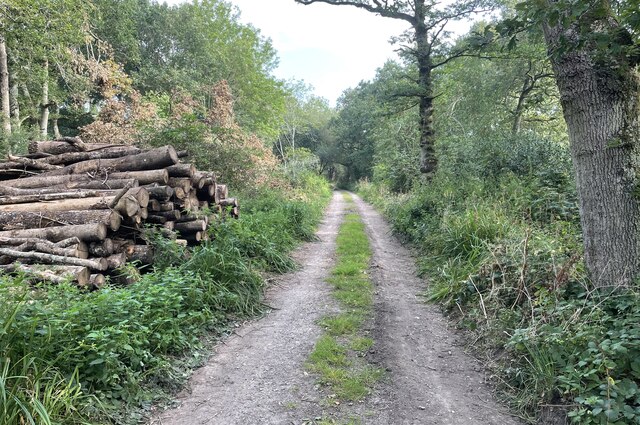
[{"x": 496, "y": 225}]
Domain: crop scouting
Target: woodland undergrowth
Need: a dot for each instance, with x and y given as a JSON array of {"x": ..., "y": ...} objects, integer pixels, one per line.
[
  {"x": 69, "y": 356},
  {"x": 499, "y": 243}
]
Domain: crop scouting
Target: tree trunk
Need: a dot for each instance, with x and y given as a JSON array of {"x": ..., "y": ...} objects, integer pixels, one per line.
[
  {"x": 14, "y": 105},
  {"x": 428, "y": 159},
  {"x": 78, "y": 251},
  {"x": 73, "y": 157},
  {"x": 600, "y": 105},
  {"x": 517, "y": 114},
  {"x": 128, "y": 205},
  {"x": 99, "y": 264},
  {"x": 56, "y": 114},
  {"x": 44, "y": 103},
  {"x": 34, "y": 164},
  {"x": 4, "y": 87},
  {"x": 527, "y": 86},
  {"x": 153, "y": 159},
  {"x": 143, "y": 177},
  {"x": 67, "y": 145},
  {"x": 54, "y": 274}
]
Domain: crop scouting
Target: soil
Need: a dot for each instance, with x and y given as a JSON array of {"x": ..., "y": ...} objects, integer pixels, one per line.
[{"x": 258, "y": 375}]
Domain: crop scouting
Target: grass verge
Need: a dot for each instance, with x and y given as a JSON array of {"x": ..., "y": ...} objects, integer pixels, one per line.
[{"x": 339, "y": 355}]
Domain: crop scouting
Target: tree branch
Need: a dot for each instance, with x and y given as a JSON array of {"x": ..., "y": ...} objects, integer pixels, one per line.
[{"x": 379, "y": 8}]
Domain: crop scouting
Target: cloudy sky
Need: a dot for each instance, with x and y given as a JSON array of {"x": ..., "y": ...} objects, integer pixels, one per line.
[{"x": 331, "y": 48}]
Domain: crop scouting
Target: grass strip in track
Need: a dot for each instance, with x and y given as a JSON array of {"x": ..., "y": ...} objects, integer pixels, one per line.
[{"x": 339, "y": 355}]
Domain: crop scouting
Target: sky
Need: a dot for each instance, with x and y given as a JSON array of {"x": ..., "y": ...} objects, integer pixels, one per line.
[{"x": 331, "y": 48}]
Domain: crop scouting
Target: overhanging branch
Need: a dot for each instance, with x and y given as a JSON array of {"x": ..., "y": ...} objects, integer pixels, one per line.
[{"x": 381, "y": 8}]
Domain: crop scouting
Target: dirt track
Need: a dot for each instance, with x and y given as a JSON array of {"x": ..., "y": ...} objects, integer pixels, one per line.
[{"x": 258, "y": 377}]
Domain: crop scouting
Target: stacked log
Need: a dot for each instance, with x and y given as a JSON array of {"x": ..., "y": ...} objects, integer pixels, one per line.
[{"x": 70, "y": 210}]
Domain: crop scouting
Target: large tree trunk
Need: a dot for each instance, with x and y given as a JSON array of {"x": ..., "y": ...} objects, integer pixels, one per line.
[
  {"x": 44, "y": 103},
  {"x": 428, "y": 159},
  {"x": 4, "y": 87},
  {"x": 600, "y": 104}
]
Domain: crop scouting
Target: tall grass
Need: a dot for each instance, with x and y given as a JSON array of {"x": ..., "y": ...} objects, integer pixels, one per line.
[{"x": 502, "y": 249}]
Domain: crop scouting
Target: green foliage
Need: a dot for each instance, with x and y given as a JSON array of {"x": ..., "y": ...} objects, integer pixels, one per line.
[
  {"x": 63, "y": 349},
  {"x": 591, "y": 344},
  {"x": 338, "y": 356},
  {"x": 506, "y": 265}
]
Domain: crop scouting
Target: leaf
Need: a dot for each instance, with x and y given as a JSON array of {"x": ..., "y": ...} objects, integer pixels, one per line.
[{"x": 96, "y": 362}]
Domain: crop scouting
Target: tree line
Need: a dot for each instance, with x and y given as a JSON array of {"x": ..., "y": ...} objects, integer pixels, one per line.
[{"x": 592, "y": 53}]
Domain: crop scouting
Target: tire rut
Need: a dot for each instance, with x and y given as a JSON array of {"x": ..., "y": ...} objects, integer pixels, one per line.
[
  {"x": 257, "y": 376},
  {"x": 430, "y": 380}
]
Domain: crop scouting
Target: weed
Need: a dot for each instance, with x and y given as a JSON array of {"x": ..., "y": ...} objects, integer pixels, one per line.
[{"x": 335, "y": 357}]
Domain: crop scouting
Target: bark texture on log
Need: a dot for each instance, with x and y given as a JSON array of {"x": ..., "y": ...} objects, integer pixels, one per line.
[
  {"x": 84, "y": 232},
  {"x": 51, "y": 273},
  {"x": 94, "y": 264},
  {"x": 32, "y": 219}
]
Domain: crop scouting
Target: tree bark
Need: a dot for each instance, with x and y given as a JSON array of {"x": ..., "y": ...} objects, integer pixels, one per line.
[
  {"x": 143, "y": 178},
  {"x": 600, "y": 105},
  {"x": 128, "y": 206},
  {"x": 153, "y": 159},
  {"x": 33, "y": 220},
  {"x": 44, "y": 103},
  {"x": 116, "y": 261},
  {"x": 4, "y": 87},
  {"x": 54, "y": 121},
  {"x": 182, "y": 170},
  {"x": 14, "y": 105},
  {"x": 96, "y": 281},
  {"x": 99, "y": 264},
  {"x": 54, "y": 274},
  {"x": 428, "y": 159},
  {"x": 104, "y": 248},
  {"x": 73, "y": 157},
  {"x": 57, "y": 147},
  {"x": 33, "y": 164},
  {"x": 44, "y": 246},
  {"x": 84, "y": 232},
  {"x": 141, "y": 253},
  {"x": 191, "y": 226}
]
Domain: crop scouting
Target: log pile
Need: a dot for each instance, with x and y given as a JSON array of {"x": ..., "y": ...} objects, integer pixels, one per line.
[{"x": 70, "y": 210}]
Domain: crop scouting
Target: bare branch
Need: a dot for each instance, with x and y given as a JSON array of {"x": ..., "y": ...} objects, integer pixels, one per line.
[{"x": 378, "y": 7}]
